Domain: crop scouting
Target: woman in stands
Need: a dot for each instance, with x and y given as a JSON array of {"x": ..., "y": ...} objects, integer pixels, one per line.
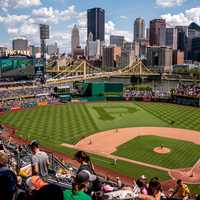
[
  {"x": 85, "y": 162},
  {"x": 154, "y": 191}
]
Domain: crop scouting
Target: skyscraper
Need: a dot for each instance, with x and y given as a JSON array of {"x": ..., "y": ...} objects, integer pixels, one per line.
[
  {"x": 108, "y": 57},
  {"x": 157, "y": 32},
  {"x": 75, "y": 39},
  {"x": 117, "y": 40},
  {"x": 139, "y": 29},
  {"x": 171, "y": 38},
  {"x": 20, "y": 44},
  {"x": 96, "y": 23},
  {"x": 182, "y": 43},
  {"x": 159, "y": 58}
]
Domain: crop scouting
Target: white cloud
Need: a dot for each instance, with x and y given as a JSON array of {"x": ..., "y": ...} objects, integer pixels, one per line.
[
  {"x": 13, "y": 30},
  {"x": 4, "y": 4},
  {"x": 12, "y": 19},
  {"x": 169, "y": 3},
  {"x": 82, "y": 19},
  {"x": 51, "y": 15},
  {"x": 123, "y": 17},
  {"x": 191, "y": 15},
  {"x": 110, "y": 29}
]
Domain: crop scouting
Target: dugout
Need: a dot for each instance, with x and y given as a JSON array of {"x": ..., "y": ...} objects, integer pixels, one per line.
[{"x": 109, "y": 90}]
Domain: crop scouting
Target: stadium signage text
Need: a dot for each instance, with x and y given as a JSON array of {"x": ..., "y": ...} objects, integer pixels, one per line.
[{"x": 17, "y": 53}]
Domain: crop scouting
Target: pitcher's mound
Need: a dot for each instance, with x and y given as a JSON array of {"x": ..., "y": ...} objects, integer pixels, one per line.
[{"x": 162, "y": 150}]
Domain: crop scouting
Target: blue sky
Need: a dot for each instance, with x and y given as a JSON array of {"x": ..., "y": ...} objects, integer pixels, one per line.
[{"x": 20, "y": 18}]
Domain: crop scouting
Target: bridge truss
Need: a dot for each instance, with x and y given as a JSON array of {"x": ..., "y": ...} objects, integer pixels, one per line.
[{"x": 85, "y": 71}]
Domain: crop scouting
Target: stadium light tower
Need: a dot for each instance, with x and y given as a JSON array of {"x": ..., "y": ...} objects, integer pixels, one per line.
[{"x": 44, "y": 35}]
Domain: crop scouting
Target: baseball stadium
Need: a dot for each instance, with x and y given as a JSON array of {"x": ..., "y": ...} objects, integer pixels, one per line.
[{"x": 128, "y": 131}]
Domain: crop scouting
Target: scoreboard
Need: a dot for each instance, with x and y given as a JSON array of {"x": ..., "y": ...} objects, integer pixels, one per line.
[{"x": 16, "y": 67}]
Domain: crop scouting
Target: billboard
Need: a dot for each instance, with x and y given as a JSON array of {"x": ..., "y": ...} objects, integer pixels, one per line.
[{"x": 16, "y": 67}]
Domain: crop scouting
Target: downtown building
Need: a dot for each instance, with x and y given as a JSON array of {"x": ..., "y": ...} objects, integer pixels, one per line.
[
  {"x": 194, "y": 42},
  {"x": 75, "y": 40},
  {"x": 127, "y": 58},
  {"x": 182, "y": 40},
  {"x": 20, "y": 44},
  {"x": 159, "y": 59},
  {"x": 93, "y": 49},
  {"x": 139, "y": 29},
  {"x": 171, "y": 38},
  {"x": 117, "y": 40},
  {"x": 52, "y": 49},
  {"x": 157, "y": 32},
  {"x": 196, "y": 49},
  {"x": 111, "y": 57},
  {"x": 96, "y": 23},
  {"x": 140, "y": 43}
]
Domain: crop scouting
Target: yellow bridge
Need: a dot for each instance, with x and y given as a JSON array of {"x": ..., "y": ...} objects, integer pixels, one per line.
[{"x": 85, "y": 71}]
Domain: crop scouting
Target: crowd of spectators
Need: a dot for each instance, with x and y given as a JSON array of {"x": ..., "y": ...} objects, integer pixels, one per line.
[
  {"x": 24, "y": 91},
  {"x": 146, "y": 94},
  {"x": 21, "y": 102},
  {"x": 29, "y": 177},
  {"x": 188, "y": 90}
]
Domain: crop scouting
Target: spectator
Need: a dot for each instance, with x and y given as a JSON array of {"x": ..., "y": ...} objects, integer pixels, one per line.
[
  {"x": 1, "y": 147},
  {"x": 181, "y": 190},
  {"x": 20, "y": 193},
  {"x": 154, "y": 188},
  {"x": 35, "y": 183},
  {"x": 119, "y": 182},
  {"x": 143, "y": 188},
  {"x": 79, "y": 187},
  {"x": 8, "y": 179},
  {"x": 85, "y": 163},
  {"x": 135, "y": 187},
  {"x": 1, "y": 129},
  {"x": 49, "y": 192},
  {"x": 39, "y": 161}
]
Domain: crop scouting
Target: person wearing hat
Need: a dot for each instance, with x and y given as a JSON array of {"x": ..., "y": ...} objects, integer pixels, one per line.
[
  {"x": 35, "y": 183},
  {"x": 79, "y": 187},
  {"x": 39, "y": 161},
  {"x": 86, "y": 164},
  {"x": 8, "y": 179}
]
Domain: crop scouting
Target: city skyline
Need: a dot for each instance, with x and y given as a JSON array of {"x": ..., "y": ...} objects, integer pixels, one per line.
[{"x": 21, "y": 18}]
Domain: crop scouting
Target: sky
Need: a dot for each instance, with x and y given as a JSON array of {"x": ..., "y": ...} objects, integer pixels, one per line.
[{"x": 20, "y": 18}]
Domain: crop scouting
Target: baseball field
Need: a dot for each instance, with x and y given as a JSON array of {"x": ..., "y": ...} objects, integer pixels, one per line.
[{"x": 57, "y": 124}]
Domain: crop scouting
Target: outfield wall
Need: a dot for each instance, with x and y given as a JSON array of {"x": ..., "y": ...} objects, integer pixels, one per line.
[
  {"x": 183, "y": 100},
  {"x": 189, "y": 101}
]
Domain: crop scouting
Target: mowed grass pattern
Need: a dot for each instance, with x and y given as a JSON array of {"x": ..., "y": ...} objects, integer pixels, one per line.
[
  {"x": 182, "y": 116},
  {"x": 55, "y": 124},
  {"x": 183, "y": 154},
  {"x": 70, "y": 123}
]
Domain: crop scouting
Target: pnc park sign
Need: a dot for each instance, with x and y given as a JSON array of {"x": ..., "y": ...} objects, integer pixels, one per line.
[{"x": 17, "y": 53}]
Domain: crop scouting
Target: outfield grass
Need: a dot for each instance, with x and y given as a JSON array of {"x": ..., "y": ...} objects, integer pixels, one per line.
[
  {"x": 182, "y": 116},
  {"x": 183, "y": 154},
  {"x": 70, "y": 123},
  {"x": 53, "y": 125}
]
